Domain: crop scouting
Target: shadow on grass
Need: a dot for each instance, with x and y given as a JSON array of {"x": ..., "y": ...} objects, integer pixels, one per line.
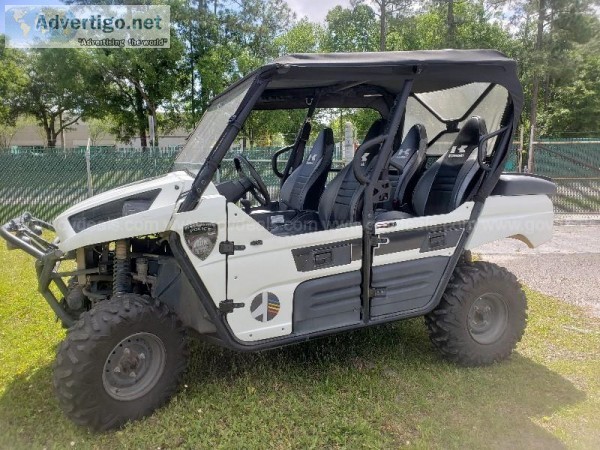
[{"x": 387, "y": 377}]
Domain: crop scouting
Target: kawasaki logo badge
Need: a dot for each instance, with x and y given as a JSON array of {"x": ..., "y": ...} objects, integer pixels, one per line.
[
  {"x": 458, "y": 152},
  {"x": 264, "y": 307},
  {"x": 364, "y": 159}
]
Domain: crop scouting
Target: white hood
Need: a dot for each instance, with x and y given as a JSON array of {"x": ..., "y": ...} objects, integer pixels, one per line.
[{"x": 154, "y": 220}]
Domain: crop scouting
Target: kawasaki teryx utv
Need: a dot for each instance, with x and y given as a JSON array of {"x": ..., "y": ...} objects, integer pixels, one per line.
[{"x": 384, "y": 238}]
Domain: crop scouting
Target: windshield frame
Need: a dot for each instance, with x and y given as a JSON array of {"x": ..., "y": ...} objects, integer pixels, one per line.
[{"x": 258, "y": 82}]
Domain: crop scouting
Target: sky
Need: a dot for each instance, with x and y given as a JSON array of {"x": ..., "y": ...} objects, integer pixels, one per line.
[
  {"x": 315, "y": 10},
  {"x": 3, "y": 3}
]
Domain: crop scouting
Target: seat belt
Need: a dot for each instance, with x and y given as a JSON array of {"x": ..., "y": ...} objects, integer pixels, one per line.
[{"x": 297, "y": 154}]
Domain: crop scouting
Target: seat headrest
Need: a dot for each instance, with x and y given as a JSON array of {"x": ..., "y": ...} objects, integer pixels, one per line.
[
  {"x": 377, "y": 128},
  {"x": 411, "y": 143},
  {"x": 324, "y": 139},
  {"x": 470, "y": 133},
  {"x": 414, "y": 137}
]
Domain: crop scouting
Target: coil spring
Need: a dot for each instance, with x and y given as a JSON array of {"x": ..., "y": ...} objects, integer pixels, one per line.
[{"x": 121, "y": 281}]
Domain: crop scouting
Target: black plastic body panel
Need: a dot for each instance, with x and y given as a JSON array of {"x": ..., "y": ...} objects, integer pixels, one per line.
[
  {"x": 510, "y": 184},
  {"x": 113, "y": 210},
  {"x": 328, "y": 255},
  {"x": 425, "y": 239},
  {"x": 273, "y": 218},
  {"x": 407, "y": 285},
  {"x": 175, "y": 290},
  {"x": 326, "y": 303}
]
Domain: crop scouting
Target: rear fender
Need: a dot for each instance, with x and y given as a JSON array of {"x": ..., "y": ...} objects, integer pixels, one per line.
[{"x": 528, "y": 218}]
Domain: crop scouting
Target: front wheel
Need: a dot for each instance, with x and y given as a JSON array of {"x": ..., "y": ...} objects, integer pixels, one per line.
[
  {"x": 481, "y": 317},
  {"x": 119, "y": 362}
]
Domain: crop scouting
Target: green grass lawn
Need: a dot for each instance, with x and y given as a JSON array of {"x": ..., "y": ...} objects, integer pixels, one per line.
[{"x": 383, "y": 387}]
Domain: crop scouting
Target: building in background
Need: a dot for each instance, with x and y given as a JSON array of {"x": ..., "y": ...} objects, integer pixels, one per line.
[{"x": 31, "y": 135}]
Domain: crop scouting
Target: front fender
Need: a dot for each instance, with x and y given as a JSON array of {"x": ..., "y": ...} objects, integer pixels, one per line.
[{"x": 528, "y": 218}]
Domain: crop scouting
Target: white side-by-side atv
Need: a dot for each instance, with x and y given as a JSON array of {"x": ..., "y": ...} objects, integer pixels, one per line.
[{"x": 386, "y": 237}]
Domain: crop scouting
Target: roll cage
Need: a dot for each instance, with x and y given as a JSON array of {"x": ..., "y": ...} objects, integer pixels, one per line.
[{"x": 382, "y": 81}]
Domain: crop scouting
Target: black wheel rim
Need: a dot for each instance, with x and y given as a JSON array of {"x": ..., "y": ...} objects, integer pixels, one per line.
[
  {"x": 134, "y": 366},
  {"x": 488, "y": 318}
]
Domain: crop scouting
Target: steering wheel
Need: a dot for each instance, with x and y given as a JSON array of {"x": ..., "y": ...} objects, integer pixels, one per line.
[{"x": 247, "y": 172}]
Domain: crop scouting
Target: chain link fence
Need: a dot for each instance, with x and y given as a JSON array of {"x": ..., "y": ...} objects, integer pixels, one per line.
[
  {"x": 47, "y": 181},
  {"x": 574, "y": 165}
]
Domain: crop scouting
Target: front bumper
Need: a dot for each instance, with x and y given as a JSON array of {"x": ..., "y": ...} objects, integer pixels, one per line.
[{"x": 25, "y": 233}]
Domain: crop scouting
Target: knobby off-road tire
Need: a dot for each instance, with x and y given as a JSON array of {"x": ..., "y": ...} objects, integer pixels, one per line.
[
  {"x": 481, "y": 317},
  {"x": 122, "y": 360}
]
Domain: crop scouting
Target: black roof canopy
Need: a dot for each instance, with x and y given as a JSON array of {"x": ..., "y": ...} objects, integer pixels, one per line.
[{"x": 431, "y": 70}]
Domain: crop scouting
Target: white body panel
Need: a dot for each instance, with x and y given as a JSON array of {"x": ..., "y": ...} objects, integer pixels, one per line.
[
  {"x": 154, "y": 220},
  {"x": 267, "y": 264},
  {"x": 270, "y": 267},
  {"x": 460, "y": 214},
  {"x": 212, "y": 270},
  {"x": 528, "y": 218}
]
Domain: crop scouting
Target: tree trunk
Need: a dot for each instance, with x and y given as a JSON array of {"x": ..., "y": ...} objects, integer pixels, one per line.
[
  {"x": 155, "y": 123},
  {"x": 382, "y": 25},
  {"x": 55, "y": 136},
  {"x": 49, "y": 142},
  {"x": 450, "y": 41},
  {"x": 536, "y": 84},
  {"x": 547, "y": 78},
  {"x": 50, "y": 134},
  {"x": 141, "y": 118},
  {"x": 62, "y": 131}
]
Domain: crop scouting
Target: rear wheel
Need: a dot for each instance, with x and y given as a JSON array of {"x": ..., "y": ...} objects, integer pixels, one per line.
[
  {"x": 481, "y": 317},
  {"x": 119, "y": 362}
]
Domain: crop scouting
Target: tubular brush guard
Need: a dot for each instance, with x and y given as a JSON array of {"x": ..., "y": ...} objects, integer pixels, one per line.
[{"x": 25, "y": 233}]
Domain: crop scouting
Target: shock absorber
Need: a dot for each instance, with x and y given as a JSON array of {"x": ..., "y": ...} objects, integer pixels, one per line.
[{"x": 121, "y": 268}]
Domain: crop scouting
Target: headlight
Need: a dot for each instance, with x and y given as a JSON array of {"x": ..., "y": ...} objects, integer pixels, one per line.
[{"x": 113, "y": 210}]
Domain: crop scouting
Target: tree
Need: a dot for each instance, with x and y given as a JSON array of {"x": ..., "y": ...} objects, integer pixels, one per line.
[
  {"x": 303, "y": 37},
  {"x": 574, "y": 105},
  {"x": 99, "y": 129},
  {"x": 474, "y": 28},
  {"x": 536, "y": 81},
  {"x": 351, "y": 29},
  {"x": 385, "y": 10},
  {"x": 559, "y": 27},
  {"x": 57, "y": 90},
  {"x": 12, "y": 82},
  {"x": 140, "y": 80},
  {"x": 225, "y": 40}
]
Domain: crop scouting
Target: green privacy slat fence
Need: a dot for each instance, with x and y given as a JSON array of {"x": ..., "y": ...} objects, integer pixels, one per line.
[
  {"x": 47, "y": 181},
  {"x": 575, "y": 167}
]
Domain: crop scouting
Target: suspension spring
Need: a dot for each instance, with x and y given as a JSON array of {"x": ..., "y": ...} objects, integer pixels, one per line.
[{"x": 121, "y": 268}]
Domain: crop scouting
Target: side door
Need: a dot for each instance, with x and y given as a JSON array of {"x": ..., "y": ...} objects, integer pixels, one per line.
[
  {"x": 411, "y": 259},
  {"x": 291, "y": 284}
]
